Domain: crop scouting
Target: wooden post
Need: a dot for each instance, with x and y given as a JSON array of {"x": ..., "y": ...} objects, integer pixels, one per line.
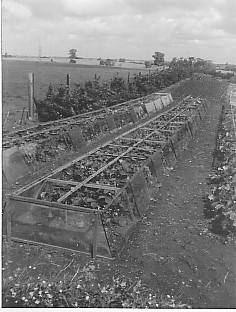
[
  {"x": 68, "y": 82},
  {"x": 8, "y": 215},
  {"x": 31, "y": 95},
  {"x": 22, "y": 115},
  {"x": 128, "y": 76}
]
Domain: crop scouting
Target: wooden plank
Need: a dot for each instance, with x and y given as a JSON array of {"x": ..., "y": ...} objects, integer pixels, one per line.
[
  {"x": 40, "y": 189},
  {"x": 92, "y": 185},
  {"x": 190, "y": 128},
  {"x": 77, "y": 137},
  {"x": 59, "y": 248},
  {"x": 8, "y": 215},
  {"x": 173, "y": 148},
  {"x": 151, "y": 129},
  {"x": 31, "y": 95},
  {"x": 178, "y": 122},
  {"x": 47, "y": 204},
  {"x": 144, "y": 140},
  {"x": 145, "y": 149},
  {"x": 118, "y": 145}
]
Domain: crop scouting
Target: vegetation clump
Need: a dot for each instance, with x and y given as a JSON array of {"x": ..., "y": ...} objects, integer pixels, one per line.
[
  {"x": 220, "y": 203},
  {"x": 87, "y": 292}
]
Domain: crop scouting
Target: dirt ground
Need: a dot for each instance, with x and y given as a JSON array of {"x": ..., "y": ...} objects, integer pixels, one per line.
[{"x": 171, "y": 249}]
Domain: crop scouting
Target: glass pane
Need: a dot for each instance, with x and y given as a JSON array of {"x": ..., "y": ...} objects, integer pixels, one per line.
[
  {"x": 122, "y": 118},
  {"x": 14, "y": 165},
  {"x": 140, "y": 192},
  {"x": 69, "y": 229},
  {"x": 118, "y": 221},
  {"x": 150, "y": 107}
]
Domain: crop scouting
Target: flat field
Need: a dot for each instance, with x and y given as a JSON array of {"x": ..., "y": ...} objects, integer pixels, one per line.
[{"x": 15, "y": 75}]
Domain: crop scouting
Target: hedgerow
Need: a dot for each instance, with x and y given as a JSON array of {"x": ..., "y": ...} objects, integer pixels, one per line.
[{"x": 60, "y": 102}]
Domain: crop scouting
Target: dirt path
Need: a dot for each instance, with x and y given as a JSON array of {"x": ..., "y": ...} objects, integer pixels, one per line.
[{"x": 171, "y": 249}]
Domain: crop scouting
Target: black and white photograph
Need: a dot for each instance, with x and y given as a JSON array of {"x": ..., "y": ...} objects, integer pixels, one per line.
[{"x": 118, "y": 154}]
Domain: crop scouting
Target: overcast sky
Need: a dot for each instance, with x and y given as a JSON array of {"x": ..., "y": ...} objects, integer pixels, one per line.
[{"x": 121, "y": 28}]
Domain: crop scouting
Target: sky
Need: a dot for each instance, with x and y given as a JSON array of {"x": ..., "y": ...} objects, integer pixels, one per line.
[{"x": 121, "y": 28}]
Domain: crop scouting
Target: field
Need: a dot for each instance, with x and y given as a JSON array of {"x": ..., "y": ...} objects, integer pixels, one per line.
[{"x": 15, "y": 75}]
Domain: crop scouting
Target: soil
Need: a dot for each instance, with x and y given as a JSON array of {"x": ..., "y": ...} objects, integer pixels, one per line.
[{"x": 171, "y": 249}]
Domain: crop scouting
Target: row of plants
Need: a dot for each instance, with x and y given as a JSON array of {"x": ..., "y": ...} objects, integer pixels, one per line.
[
  {"x": 220, "y": 203},
  {"x": 60, "y": 102}
]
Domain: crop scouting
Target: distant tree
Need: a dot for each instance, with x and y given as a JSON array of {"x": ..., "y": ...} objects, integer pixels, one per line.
[
  {"x": 109, "y": 62},
  {"x": 72, "y": 55},
  {"x": 158, "y": 58},
  {"x": 148, "y": 64}
]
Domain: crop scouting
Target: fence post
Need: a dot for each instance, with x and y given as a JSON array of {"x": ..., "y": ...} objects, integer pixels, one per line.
[
  {"x": 68, "y": 82},
  {"x": 128, "y": 76},
  {"x": 22, "y": 115},
  {"x": 31, "y": 95}
]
